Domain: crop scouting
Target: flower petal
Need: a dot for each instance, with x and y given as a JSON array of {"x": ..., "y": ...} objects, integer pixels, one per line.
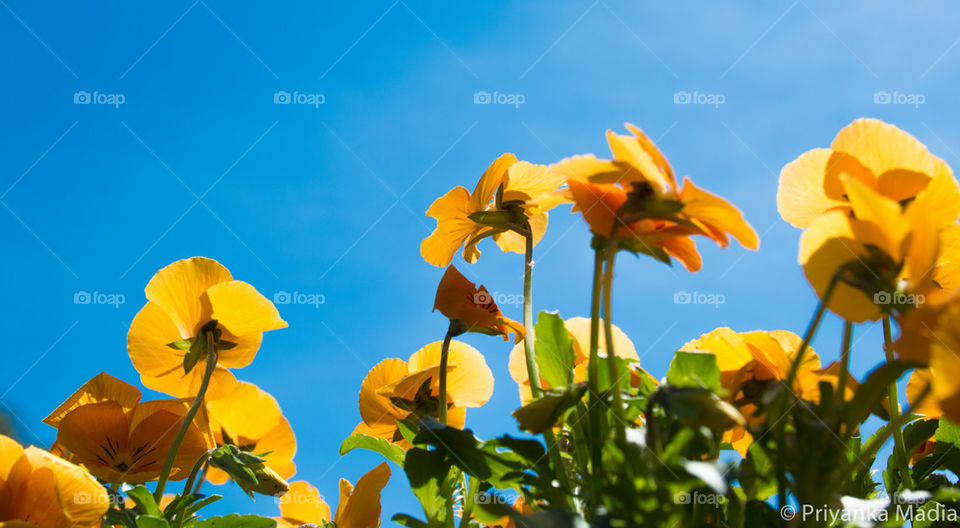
[
  {"x": 303, "y": 504},
  {"x": 492, "y": 178},
  {"x": 177, "y": 289},
  {"x": 453, "y": 227},
  {"x": 359, "y": 506},
  {"x": 810, "y": 186},
  {"x": 470, "y": 383},
  {"x": 529, "y": 182},
  {"x": 102, "y": 387},
  {"x": 240, "y": 308},
  {"x": 374, "y": 408},
  {"x": 882, "y": 147},
  {"x": 718, "y": 214},
  {"x": 247, "y": 412},
  {"x": 511, "y": 241}
]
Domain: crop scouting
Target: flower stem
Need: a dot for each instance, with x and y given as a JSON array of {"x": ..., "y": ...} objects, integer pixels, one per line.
[
  {"x": 900, "y": 451},
  {"x": 444, "y": 358},
  {"x": 188, "y": 487},
  {"x": 612, "y": 366},
  {"x": 188, "y": 418},
  {"x": 593, "y": 369},
  {"x": 781, "y": 423},
  {"x": 844, "y": 361},
  {"x": 533, "y": 373}
]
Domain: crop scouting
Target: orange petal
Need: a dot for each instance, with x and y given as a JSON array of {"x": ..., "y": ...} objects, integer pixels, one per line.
[
  {"x": 492, "y": 178},
  {"x": 247, "y": 412},
  {"x": 511, "y": 241},
  {"x": 529, "y": 182},
  {"x": 359, "y": 506},
  {"x": 303, "y": 504},
  {"x": 375, "y": 408},
  {"x": 598, "y": 203},
  {"x": 718, "y": 214},
  {"x": 240, "y": 308},
  {"x": 102, "y": 387},
  {"x": 642, "y": 155},
  {"x": 470, "y": 383},
  {"x": 453, "y": 227}
]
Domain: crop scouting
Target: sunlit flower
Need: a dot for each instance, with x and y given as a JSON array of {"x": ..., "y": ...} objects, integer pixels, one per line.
[
  {"x": 41, "y": 490},
  {"x": 521, "y": 507},
  {"x": 749, "y": 362},
  {"x": 579, "y": 330},
  {"x": 509, "y": 195},
  {"x": 885, "y": 256},
  {"x": 395, "y": 389},
  {"x": 931, "y": 335},
  {"x": 118, "y": 438},
  {"x": 183, "y": 299},
  {"x": 474, "y": 308},
  {"x": 251, "y": 419},
  {"x": 637, "y": 193},
  {"x": 882, "y": 157},
  {"x": 359, "y": 506}
]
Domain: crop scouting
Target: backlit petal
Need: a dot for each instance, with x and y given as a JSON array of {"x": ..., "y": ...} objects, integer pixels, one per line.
[
  {"x": 243, "y": 310},
  {"x": 247, "y": 412},
  {"x": 470, "y": 383},
  {"x": 359, "y": 505},
  {"x": 718, "y": 214},
  {"x": 102, "y": 387},
  {"x": 303, "y": 504},
  {"x": 177, "y": 289},
  {"x": 882, "y": 147},
  {"x": 375, "y": 408}
]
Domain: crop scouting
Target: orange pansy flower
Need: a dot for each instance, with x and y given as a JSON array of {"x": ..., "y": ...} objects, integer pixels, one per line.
[
  {"x": 359, "y": 506},
  {"x": 251, "y": 419},
  {"x": 637, "y": 194},
  {"x": 120, "y": 439},
  {"x": 460, "y": 300},
  {"x": 182, "y": 298},
  {"x": 510, "y": 194},
  {"x": 395, "y": 389},
  {"x": 41, "y": 490}
]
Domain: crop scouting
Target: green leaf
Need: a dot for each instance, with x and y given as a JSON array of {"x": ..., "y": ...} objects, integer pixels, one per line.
[
  {"x": 948, "y": 432},
  {"x": 873, "y": 390},
  {"x": 409, "y": 521},
  {"x": 142, "y": 497},
  {"x": 477, "y": 459},
  {"x": 181, "y": 344},
  {"x": 235, "y": 521},
  {"x": 150, "y": 521},
  {"x": 554, "y": 350},
  {"x": 197, "y": 350},
  {"x": 392, "y": 452},
  {"x": 426, "y": 472},
  {"x": 543, "y": 413},
  {"x": 758, "y": 474},
  {"x": 695, "y": 370}
]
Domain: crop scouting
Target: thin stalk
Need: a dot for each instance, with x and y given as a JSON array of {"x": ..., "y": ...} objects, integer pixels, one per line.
[
  {"x": 612, "y": 366},
  {"x": 444, "y": 358},
  {"x": 844, "y": 361},
  {"x": 468, "y": 502},
  {"x": 900, "y": 450},
  {"x": 188, "y": 487},
  {"x": 533, "y": 373},
  {"x": 781, "y": 423},
  {"x": 188, "y": 418},
  {"x": 593, "y": 372}
]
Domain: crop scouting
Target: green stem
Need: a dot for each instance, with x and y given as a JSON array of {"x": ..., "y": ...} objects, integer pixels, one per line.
[
  {"x": 844, "y": 362},
  {"x": 781, "y": 422},
  {"x": 468, "y": 501},
  {"x": 612, "y": 365},
  {"x": 444, "y": 358},
  {"x": 188, "y": 487},
  {"x": 593, "y": 372},
  {"x": 188, "y": 418},
  {"x": 900, "y": 450},
  {"x": 533, "y": 373}
]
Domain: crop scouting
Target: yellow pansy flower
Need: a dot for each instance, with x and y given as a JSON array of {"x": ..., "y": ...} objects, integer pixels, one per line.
[
  {"x": 928, "y": 408},
  {"x": 183, "y": 298},
  {"x": 880, "y": 250},
  {"x": 395, "y": 389},
  {"x": 120, "y": 439},
  {"x": 509, "y": 195},
  {"x": 579, "y": 330},
  {"x": 41, "y": 490},
  {"x": 460, "y": 300},
  {"x": 359, "y": 506},
  {"x": 748, "y": 363},
  {"x": 880, "y": 156},
  {"x": 637, "y": 193},
  {"x": 251, "y": 419}
]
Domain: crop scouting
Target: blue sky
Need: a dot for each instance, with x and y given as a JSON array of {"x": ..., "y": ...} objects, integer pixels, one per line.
[{"x": 329, "y": 199}]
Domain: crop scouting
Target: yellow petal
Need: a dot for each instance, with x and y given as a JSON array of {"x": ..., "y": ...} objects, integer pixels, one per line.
[
  {"x": 359, "y": 506},
  {"x": 281, "y": 444},
  {"x": 247, "y": 412},
  {"x": 92, "y": 433},
  {"x": 240, "y": 308},
  {"x": 511, "y": 241},
  {"x": 79, "y": 496},
  {"x": 919, "y": 379},
  {"x": 102, "y": 387},
  {"x": 882, "y": 147},
  {"x": 10, "y": 451},
  {"x": 587, "y": 168},
  {"x": 947, "y": 273},
  {"x": 683, "y": 249},
  {"x": 940, "y": 198},
  {"x": 375, "y": 408},
  {"x": 809, "y": 185},
  {"x": 303, "y": 504},
  {"x": 729, "y": 347},
  {"x": 642, "y": 155},
  {"x": 453, "y": 227},
  {"x": 177, "y": 289},
  {"x": 470, "y": 383},
  {"x": 825, "y": 246},
  {"x": 598, "y": 204},
  {"x": 718, "y": 214},
  {"x": 492, "y": 178},
  {"x": 888, "y": 226},
  {"x": 529, "y": 182},
  {"x": 923, "y": 252}
]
